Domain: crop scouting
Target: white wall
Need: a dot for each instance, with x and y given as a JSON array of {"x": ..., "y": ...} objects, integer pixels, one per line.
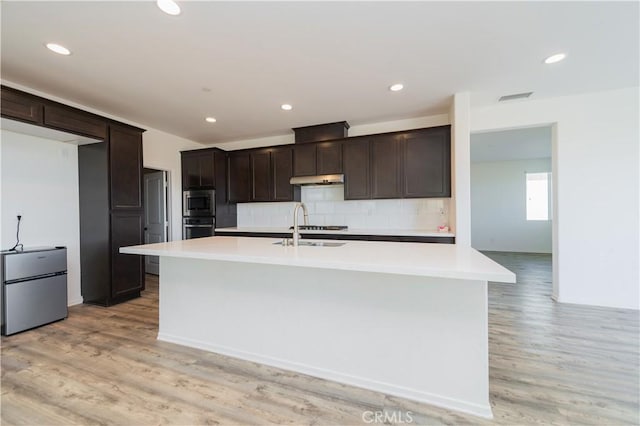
[
  {"x": 326, "y": 206},
  {"x": 161, "y": 151},
  {"x": 597, "y": 190},
  {"x": 498, "y": 207},
  {"x": 40, "y": 182}
]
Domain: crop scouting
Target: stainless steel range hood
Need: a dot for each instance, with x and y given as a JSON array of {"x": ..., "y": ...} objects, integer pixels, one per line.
[{"x": 317, "y": 180}]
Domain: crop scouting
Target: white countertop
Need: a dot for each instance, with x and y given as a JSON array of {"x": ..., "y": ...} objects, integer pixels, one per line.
[
  {"x": 423, "y": 259},
  {"x": 350, "y": 231}
]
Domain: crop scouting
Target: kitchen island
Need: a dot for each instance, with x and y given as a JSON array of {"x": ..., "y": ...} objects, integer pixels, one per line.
[{"x": 407, "y": 319}]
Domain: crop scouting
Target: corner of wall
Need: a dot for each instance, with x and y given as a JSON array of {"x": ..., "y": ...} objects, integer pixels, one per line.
[{"x": 460, "y": 209}]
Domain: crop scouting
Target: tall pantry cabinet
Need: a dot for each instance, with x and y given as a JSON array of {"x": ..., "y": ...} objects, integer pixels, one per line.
[{"x": 111, "y": 216}]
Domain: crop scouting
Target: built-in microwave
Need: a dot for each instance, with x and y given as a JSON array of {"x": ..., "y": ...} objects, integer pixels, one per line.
[{"x": 199, "y": 203}]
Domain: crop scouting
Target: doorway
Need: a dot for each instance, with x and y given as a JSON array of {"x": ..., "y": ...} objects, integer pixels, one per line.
[
  {"x": 156, "y": 211},
  {"x": 512, "y": 193}
]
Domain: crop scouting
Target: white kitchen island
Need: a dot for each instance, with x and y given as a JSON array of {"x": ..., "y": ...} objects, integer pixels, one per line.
[{"x": 407, "y": 319}]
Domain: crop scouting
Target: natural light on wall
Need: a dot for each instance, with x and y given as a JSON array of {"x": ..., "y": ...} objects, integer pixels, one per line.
[{"x": 538, "y": 196}]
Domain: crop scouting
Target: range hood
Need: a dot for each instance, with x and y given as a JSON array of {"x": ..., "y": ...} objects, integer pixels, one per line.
[{"x": 317, "y": 180}]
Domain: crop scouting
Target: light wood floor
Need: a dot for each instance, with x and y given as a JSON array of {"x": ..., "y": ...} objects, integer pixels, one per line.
[{"x": 549, "y": 364}]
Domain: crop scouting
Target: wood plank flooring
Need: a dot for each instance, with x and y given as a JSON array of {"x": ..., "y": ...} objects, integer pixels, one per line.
[{"x": 549, "y": 364}]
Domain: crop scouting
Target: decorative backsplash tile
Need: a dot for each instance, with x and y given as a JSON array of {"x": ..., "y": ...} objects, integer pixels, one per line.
[{"x": 326, "y": 206}]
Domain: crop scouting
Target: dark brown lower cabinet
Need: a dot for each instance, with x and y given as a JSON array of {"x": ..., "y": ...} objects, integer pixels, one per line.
[{"x": 127, "y": 270}]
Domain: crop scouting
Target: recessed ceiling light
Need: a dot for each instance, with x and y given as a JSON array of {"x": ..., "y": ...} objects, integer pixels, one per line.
[
  {"x": 555, "y": 58},
  {"x": 58, "y": 49},
  {"x": 286, "y": 107},
  {"x": 210, "y": 120},
  {"x": 169, "y": 7},
  {"x": 396, "y": 87}
]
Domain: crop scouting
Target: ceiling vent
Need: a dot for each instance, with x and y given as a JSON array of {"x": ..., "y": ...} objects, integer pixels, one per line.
[{"x": 524, "y": 95}]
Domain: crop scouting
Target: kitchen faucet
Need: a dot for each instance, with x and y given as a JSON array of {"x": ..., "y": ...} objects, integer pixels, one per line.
[{"x": 296, "y": 229}]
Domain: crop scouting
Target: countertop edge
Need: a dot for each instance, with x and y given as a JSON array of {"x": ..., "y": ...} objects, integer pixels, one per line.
[{"x": 323, "y": 264}]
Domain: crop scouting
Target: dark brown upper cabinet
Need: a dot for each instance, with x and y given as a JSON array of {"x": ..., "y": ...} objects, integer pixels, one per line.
[
  {"x": 323, "y": 158},
  {"x": 426, "y": 156},
  {"x": 271, "y": 170},
  {"x": 281, "y": 173},
  {"x": 125, "y": 167},
  {"x": 75, "y": 121},
  {"x": 33, "y": 109},
  {"x": 304, "y": 160},
  {"x": 19, "y": 106},
  {"x": 198, "y": 169},
  {"x": 357, "y": 176},
  {"x": 261, "y": 175},
  {"x": 386, "y": 166},
  {"x": 239, "y": 177},
  {"x": 329, "y": 158}
]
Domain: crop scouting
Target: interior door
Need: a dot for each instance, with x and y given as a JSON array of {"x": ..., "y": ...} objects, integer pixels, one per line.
[{"x": 155, "y": 216}]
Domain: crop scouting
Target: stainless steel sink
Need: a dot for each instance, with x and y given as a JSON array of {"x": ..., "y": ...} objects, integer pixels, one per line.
[{"x": 288, "y": 242}]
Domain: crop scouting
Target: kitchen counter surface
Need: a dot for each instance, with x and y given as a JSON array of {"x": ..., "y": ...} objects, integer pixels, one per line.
[
  {"x": 417, "y": 259},
  {"x": 350, "y": 231}
]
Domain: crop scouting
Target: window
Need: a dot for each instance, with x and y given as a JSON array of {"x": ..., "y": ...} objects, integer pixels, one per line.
[{"x": 538, "y": 196}]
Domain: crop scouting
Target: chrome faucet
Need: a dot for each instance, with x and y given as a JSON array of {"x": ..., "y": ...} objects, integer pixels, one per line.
[{"x": 296, "y": 228}]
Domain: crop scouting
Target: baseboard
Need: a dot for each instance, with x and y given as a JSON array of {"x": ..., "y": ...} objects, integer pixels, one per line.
[
  {"x": 77, "y": 301},
  {"x": 480, "y": 410}
]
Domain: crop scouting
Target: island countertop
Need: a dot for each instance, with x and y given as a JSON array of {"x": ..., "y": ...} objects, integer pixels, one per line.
[{"x": 420, "y": 259}]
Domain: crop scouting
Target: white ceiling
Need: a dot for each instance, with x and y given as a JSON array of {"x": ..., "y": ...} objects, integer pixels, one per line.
[
  {"x": 238, "y": 61},
  {"x": 507, "y": 145}
]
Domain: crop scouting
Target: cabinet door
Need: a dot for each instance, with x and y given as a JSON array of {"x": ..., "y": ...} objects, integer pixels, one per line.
[
  {"x": 356, "y": 170},
  {"x": 75, "y": 121},
  {"x": 329, "y": 158},
  {"x": 239, "y": 181},
  {"x": 385, "y": 166},
  {"x": 206, "y": 169},
  {"x": 20, "y": 107},
  {"x": 304, "y": 160},
  {"x": 125, "y": 167},
  {"x": 282, "y": 171},
  {"x": 261, "y": 175},
  {"x": 190, "y": 171},
  {"x": 127, "y": 270},
  {"x": 427, "y": 163}
]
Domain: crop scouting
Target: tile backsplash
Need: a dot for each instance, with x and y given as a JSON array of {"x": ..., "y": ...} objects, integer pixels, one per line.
[{"x": 326, "y": 206}]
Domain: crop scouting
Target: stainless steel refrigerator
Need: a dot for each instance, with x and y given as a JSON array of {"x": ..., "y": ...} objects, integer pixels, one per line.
[{"x": 34, "y": 288}]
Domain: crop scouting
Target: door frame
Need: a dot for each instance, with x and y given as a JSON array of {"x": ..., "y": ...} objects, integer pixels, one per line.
[{"x": 167, "y": 199}]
